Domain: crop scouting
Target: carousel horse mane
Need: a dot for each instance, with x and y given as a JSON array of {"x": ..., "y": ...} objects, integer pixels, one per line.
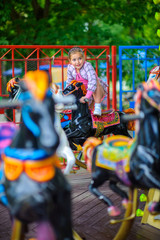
[
  {"x": 131, "y": 162},
  {"x": 84, "y": 124}
]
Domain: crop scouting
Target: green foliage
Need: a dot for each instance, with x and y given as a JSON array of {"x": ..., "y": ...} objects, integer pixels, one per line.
[{"x": 70, "y": 22}]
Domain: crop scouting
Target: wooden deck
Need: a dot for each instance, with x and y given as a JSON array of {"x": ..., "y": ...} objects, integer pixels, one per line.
[{"x": 90, "y": 218}]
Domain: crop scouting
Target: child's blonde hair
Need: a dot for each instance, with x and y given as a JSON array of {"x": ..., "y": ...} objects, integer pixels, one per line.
[{"x": 75, "y": 50}]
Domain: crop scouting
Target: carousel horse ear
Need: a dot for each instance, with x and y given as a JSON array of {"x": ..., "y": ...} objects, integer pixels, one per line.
[{"x": 78, "y": 84}]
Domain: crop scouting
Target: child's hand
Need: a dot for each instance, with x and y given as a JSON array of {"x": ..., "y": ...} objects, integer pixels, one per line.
[{"x": 83, "y": 99}]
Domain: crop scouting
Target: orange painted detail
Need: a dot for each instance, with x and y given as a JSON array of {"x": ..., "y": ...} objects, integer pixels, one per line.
[
  {"x": 40, "y": 171},
  {"x": 12, "y": 168},
  {"x": 37, "y": 83},
  {"x": 11, "y": 84}
]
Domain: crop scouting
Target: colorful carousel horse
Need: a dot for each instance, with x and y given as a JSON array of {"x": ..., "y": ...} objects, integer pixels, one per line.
[
  {"x": 63, "y": 150},
  {"x": 84, "y": 124},
  {"x": 35, "y": 187},
  {"x": 131, "y": 162},
  {"x": 154, "y": 74}
]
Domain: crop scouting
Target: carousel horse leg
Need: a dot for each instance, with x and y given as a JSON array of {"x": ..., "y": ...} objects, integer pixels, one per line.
[
  {"x": 98, "y": 178},
  {"x": 120, "y": 192},
  {"x": 19, "y": 230},
  {"x": 129, "y": 216},
  {"x": 68, "y": 154},
  {"x": 64, "y": 149},
  {"x": 131, "y": 207},
  {"x": 152, "y": 208},
  {"x": 76, "y": 236},
  {"x": 60, "y": 212}
]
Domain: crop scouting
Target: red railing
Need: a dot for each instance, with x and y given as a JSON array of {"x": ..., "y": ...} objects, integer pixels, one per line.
[{"x": 34, "y": 56}]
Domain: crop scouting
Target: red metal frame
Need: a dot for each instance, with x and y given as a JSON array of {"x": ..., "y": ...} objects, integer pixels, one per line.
[{"x": 62, "y": 49}]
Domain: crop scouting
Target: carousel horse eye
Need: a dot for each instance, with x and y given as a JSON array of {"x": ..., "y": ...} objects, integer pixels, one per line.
[
  {"x": 71, "y": 87},
  {"x": 79, "y": 84},
  {"x": 66, "y": 91},
  {"x": 153, "y": 75}
]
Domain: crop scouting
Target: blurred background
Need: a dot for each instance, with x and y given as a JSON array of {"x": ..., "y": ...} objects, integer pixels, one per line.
[{"x": 82, "y": 22}]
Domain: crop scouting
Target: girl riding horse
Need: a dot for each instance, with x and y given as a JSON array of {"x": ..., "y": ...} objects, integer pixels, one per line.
[{"x": 84, "y": 124}]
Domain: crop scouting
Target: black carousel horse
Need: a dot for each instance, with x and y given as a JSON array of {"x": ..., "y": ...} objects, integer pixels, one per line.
[
  {"x": 84, "y": 124},
  {"x": 35, "y": 187},
  {"x": 132, "y": 162}
]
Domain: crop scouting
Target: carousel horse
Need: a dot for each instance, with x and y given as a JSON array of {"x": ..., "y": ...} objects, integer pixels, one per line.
[
  {"x": 83, "y": 124},
  {"x": 154, "y": 74},
  {"x": 34, "y": 184},
  {"x": 134, "y": 163},
  {"x": 63, "y": 150}
]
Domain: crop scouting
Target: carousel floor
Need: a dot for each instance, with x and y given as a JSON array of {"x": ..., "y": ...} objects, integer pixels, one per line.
[{"x": 90, "y": 218}]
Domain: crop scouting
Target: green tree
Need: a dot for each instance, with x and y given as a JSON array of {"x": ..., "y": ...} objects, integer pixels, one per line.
[{"x": 69, "y": 22}]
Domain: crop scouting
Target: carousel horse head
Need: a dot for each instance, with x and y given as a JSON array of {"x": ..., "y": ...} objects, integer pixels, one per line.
[
  {"x": 34, "y": 185},
  {"x": 132, "y": 162},
  {"x": 13, "y": 88},
  {"x": 154, "y": 74},
  {"x": 76, "y": 88},
  {"x": 37, "y": 114}
]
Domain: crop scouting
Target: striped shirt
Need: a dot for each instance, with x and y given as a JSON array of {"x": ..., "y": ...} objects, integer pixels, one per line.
[{"x": 89, "y": 75}]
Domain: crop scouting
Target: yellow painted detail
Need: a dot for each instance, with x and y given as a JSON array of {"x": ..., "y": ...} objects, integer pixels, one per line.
[{"x": 113, "y": 150}]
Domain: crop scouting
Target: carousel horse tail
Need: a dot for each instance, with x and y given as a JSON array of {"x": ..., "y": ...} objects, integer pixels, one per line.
[
  {"x": 88, "y": 148},
  {"x": 131, "y": 124}
]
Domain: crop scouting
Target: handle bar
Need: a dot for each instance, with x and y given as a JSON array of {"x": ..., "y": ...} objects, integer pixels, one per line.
[{"x": 132, "y": 117}]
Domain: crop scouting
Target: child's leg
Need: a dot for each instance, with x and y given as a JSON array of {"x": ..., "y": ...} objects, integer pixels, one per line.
[{"x": 98, "y": 95}]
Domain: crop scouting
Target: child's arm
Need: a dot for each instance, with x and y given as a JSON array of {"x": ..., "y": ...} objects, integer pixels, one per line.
[
  {"x": 92, "y": 79},
  {"x": 69, "y": 75}
]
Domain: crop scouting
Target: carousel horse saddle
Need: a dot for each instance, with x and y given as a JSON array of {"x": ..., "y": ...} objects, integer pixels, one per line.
[
  {"x": 114, "y": 154},
  {"x": 107, "y": 119}
]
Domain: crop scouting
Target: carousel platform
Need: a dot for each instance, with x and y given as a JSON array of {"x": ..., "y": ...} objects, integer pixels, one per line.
[{"x": 90, "y": 218}]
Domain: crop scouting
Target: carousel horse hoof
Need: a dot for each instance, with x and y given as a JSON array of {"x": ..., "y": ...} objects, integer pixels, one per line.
[
  {"x": 113, "y": 211},
  {"x": 75, "y": 167},
  {"x": 152, "y": 208},
  {"x": 45, "y": 231},
  {"x": 125, "y": 203},
  {"x": 73, "y": 171}
]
